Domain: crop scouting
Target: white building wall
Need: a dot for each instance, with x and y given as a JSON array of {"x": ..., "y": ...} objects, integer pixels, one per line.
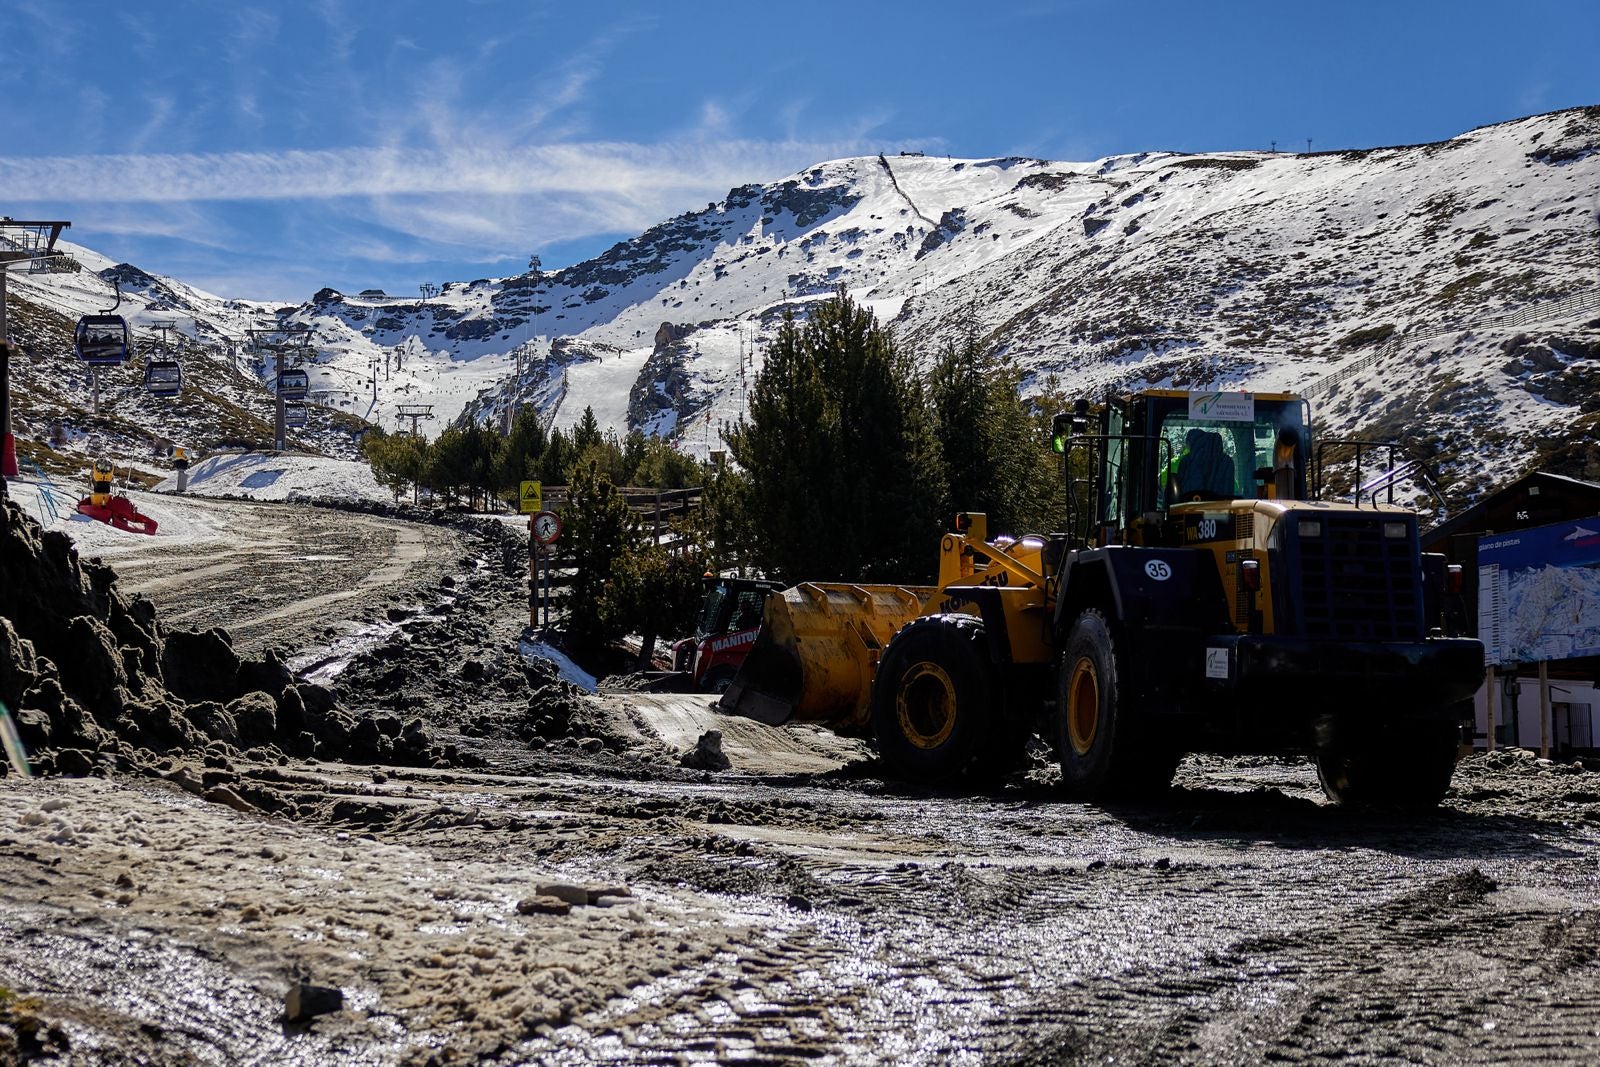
[{"x": 1582, "y": 710}]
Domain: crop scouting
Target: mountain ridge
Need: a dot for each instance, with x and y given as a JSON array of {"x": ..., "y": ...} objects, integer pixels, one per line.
[{"x": 1239, "y": 269}]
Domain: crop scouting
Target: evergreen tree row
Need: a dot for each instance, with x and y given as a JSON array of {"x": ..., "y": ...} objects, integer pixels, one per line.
[
  {"x": 848, "y": 467},
  {"x": 475, "y": 463}
]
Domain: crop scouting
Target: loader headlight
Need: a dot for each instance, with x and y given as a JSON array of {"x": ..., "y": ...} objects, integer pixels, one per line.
[
  {"x": 1396, "y": 530},
  {"x": 1310, "y": 527}
]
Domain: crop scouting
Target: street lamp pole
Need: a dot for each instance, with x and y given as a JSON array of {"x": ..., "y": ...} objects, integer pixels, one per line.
[{"x": 8, "y": 444}]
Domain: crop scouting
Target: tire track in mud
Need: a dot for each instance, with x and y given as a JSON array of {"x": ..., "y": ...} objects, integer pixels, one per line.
[
  {"x": 1061, "y": 935},
  {"x": 1422, "y": 977}
]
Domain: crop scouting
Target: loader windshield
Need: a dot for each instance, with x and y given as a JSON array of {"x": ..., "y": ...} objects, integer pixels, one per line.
[
  {"x": 730, "y": 608},
  {"x": 1223, "y": 458}
]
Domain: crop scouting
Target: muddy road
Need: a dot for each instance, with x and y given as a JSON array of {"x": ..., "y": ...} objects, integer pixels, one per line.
[
  {"x": 278, "y": 573},
  {"x": 569, "y": 893}
]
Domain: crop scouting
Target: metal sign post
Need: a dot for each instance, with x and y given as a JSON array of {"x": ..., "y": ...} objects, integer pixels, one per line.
[
  {"x": 533, "y": 583},
  {"x": 543, "y": 531}
]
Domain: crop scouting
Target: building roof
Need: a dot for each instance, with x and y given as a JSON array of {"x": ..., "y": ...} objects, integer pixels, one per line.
[{"x": 1535, "y": 499}]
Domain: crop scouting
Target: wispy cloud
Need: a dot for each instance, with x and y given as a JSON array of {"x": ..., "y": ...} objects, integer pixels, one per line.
[
  {"x": 161, "y": 107},
  {"x": 390, "y": 205},
  {"x": 641, "y": 173},
  {"x": 342, "y": 28}
]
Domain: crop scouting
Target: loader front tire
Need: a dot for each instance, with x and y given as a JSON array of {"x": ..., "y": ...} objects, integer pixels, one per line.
[
  {"x": 1098, "y": 736},
  {"x": 934, "y": 701},
  {"x": 1402, "y": 765}
]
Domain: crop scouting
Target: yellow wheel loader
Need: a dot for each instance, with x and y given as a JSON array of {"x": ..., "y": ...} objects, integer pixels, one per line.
[{"x": 1203, "y": 597}]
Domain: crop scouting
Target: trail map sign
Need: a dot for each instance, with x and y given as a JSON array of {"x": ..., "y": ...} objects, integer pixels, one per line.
[
  {"x": 532, "y": 497},
  {"x": 1539, "y": 593}
]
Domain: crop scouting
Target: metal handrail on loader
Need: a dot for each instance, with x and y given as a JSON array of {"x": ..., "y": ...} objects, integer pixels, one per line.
[
  {"x": 1403, "y": 465},
  {"x": 1083, "y": 515}
]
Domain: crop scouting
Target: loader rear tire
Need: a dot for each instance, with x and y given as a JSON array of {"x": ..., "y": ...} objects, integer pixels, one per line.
[
  {"x": 1099, "y": 739},
  {"x": 935, "y": 704}
]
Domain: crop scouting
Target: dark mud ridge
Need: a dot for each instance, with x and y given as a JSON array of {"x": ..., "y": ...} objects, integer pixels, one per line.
[{"x": 95, "y": 682}]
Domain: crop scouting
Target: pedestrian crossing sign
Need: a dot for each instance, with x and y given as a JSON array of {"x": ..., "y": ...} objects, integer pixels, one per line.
[{"x": 532, "y": 498}]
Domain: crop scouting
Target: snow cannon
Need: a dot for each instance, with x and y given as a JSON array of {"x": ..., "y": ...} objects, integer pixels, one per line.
[{"x": 104, "y": 504}]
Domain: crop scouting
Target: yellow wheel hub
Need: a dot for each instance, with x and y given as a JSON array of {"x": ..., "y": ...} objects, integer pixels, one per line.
[
  {"x": 1083, "y": 706},
  {"x": 926, "y": 705}
]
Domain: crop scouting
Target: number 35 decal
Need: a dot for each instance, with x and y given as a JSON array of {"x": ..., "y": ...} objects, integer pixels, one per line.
[{"x": 1158, "y": 569}]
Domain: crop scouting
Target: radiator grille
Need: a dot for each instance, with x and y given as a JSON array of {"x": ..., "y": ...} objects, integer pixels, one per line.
[{"x": 1358, "y": 585}]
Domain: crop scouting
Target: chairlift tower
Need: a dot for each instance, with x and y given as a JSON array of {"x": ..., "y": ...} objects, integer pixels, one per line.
[
  {"x": 290, "y": 348},
  {"x": 33, "y": 243},
  {"x": 416, "y": 413}
]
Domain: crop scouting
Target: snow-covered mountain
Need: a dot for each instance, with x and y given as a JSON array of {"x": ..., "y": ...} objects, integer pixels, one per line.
[{"x": 1239, "y": 269}]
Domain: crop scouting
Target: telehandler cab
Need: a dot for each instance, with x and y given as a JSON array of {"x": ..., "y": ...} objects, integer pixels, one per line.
[{"x": 1199, "y": 599}]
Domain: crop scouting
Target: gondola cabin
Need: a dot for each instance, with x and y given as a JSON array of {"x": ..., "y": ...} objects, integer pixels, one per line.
[
  {"x": 293, "y": 384},
  {"x": 163, "y": 377},
  {"x": 294, "y": 415},
  {"x": 101, "y": 340}
]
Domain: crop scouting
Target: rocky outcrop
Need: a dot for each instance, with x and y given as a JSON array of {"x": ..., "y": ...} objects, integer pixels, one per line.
[{"x": 663, "y": 383}]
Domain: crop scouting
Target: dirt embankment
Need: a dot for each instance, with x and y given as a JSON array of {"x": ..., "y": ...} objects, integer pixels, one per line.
[{"x": 98, "y": 683}]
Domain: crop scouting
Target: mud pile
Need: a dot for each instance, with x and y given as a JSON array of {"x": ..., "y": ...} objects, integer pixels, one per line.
[{"x": 95, "y": 681}]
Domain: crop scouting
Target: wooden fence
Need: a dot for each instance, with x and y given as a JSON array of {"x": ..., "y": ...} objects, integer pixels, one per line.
[{"x": 657, "y": 510}]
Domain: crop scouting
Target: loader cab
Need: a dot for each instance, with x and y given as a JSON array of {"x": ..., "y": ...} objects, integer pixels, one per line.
[{"x": 1141, "y": 455}]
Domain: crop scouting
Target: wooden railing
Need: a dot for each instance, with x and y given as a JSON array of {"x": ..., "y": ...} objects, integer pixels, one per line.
[{"x": 656, "y": 508}]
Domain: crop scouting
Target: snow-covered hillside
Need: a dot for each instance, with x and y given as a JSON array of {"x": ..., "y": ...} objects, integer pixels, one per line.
[{"x": 1239, "y": 269}]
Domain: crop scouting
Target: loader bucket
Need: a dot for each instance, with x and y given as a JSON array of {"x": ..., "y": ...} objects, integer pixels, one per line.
[{"x": 815, "y": 655}]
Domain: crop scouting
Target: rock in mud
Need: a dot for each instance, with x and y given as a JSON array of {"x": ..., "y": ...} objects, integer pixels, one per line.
[
  {"x": 18, "y": 665},
  {"x": 707, "y": 754},
  {"x": 307, "y": 1001},
  {"x": 256, "y": 715},
  {"x": 572, "y": 894},
  {"x": 74, "y": 763},
  {"x": 222, "y": 794},
  {"x": 201, "y": 666},
  {"x": 541, "y": 904}
]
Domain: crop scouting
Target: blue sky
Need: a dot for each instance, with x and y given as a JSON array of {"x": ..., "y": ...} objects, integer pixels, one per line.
[{"x": 267, "y": 150}]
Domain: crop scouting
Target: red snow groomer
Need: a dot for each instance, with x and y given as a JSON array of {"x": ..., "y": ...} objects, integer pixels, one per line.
[{"x": 108, "y": 506}]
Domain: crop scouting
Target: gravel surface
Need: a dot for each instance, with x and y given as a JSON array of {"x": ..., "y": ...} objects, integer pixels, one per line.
[{"x": 566, "y": 891}]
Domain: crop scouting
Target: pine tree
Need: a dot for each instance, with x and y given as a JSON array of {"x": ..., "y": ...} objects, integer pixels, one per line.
[
  {"x": 657, "y": 592},
  {"x": 558, "y": 456},
  {"x": 844, "y": 478},
  {"x": 523, "y": 449},
  {"x": 587, "y": 432},
  {"x": 598, "y": 530},
  {"x": 994, "y": 449}
]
